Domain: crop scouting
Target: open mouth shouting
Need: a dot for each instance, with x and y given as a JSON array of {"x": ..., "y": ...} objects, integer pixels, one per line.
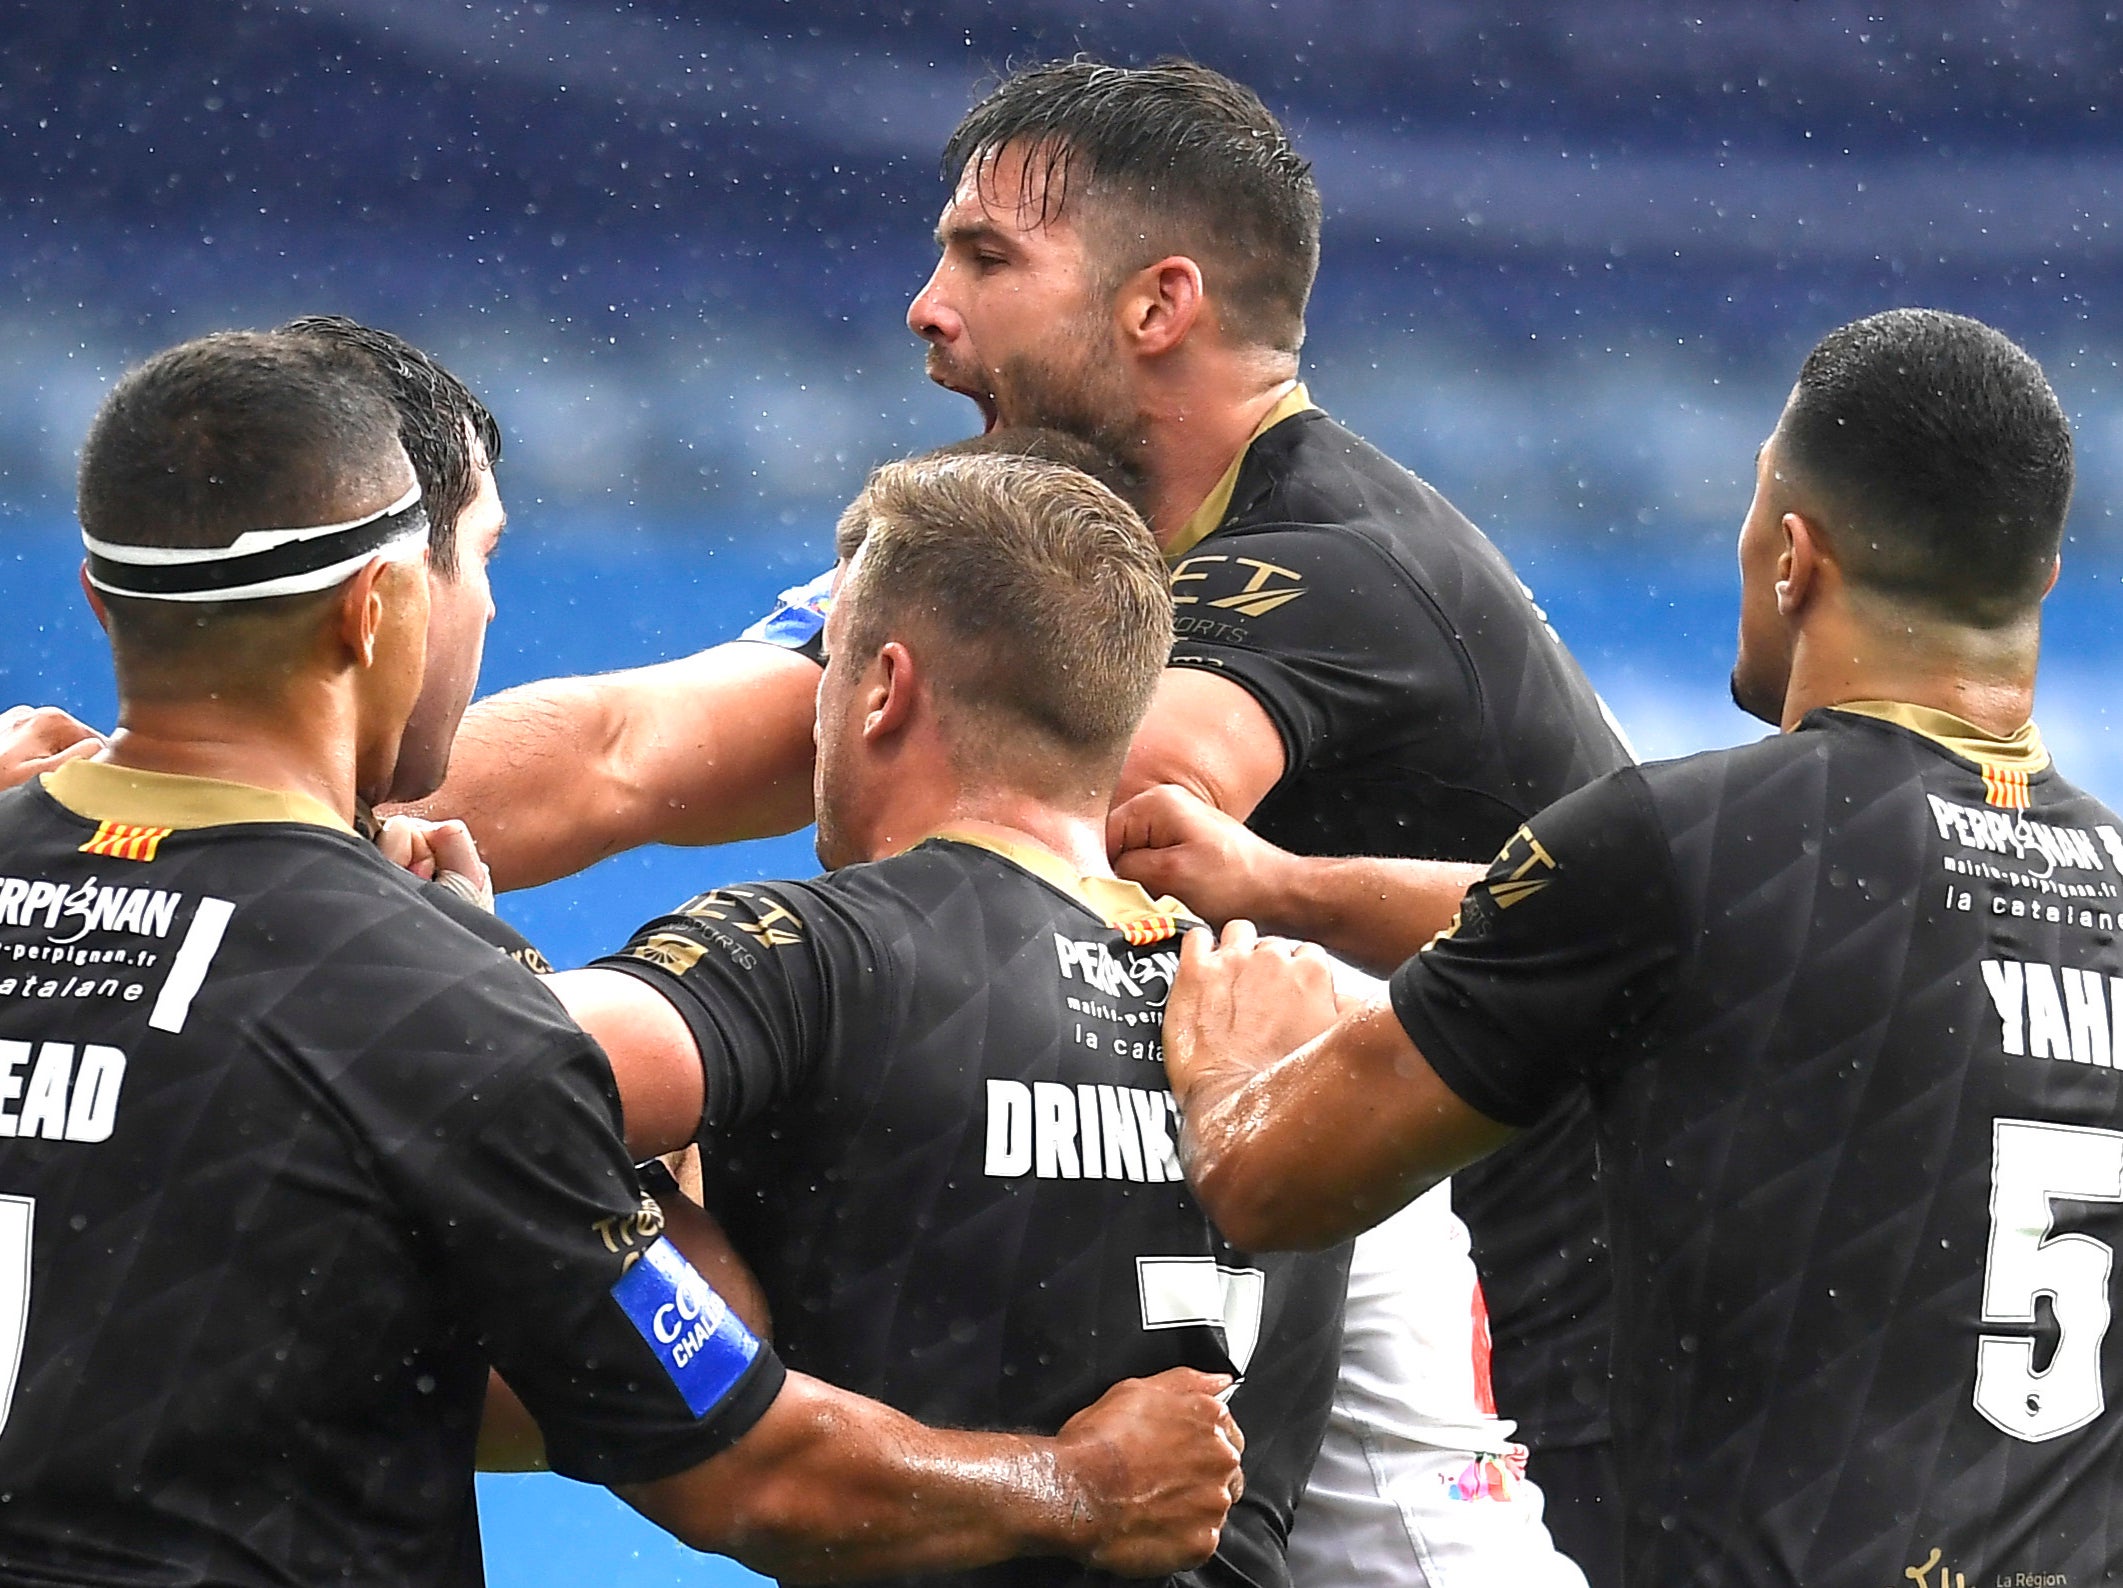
[{"x": 941, "y": 372}]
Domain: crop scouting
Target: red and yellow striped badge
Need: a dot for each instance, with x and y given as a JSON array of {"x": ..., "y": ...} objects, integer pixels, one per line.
[
  {"x": 126, "y": 841},
  {"x": 2005, "y": 787},
  {"x": 1143, "y": 930}
]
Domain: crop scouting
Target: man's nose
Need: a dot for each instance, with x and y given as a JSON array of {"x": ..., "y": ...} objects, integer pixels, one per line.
[{"x": 928, "y": 316}]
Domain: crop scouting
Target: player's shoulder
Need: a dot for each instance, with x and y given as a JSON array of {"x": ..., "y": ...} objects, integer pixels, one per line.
[{"x": 1313, "y": 473}]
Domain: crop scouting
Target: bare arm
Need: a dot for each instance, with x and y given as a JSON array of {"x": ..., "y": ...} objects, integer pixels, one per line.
[
  {"x": 655, "y": 1060},
  {"x": 1372, "y": 913},
  {"x": 1308, "y": 1147},
  {"x": 554, "y": 776},
  {"x": 829, "y": 1486},
  {"x": 1209, "y": 736}
]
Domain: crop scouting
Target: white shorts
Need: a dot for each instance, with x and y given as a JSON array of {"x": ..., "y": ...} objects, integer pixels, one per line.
[{"x": 1418, "y": 1483}]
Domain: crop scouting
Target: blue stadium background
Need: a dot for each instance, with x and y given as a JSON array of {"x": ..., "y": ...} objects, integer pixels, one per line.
[{"x": 1574, "y": 252}]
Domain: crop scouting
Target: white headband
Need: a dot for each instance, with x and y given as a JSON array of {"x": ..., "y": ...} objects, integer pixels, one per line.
[{"x": 260, "y": 562}]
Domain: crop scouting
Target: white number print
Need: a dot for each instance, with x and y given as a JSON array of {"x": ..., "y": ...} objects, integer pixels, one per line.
[
  {"x": 17, "y": 1216},
  {"x": 1178, "y": 1291},
  {"x": 2030, "y": 1163}
]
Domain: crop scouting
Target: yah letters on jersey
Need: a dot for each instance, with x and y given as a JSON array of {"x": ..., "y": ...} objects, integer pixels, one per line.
[{"x": 2056, "y": 1011}]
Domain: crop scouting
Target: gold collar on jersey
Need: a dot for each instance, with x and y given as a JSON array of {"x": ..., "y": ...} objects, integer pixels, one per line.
[
  {"x": 1211, "y": 513},
  {"x": 2021, "y": 750},
  {"x": 110, "y": 794},
  {"x": 1122, "y": 905},
  {"x": 2006, "y": 761}
]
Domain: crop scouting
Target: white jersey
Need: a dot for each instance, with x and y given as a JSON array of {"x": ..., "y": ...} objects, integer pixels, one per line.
[{"x": 1418, "y": 1483}]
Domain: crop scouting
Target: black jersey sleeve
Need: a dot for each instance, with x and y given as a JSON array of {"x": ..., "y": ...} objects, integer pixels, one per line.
[
  {"x": 1557, "y": 959},
  {"x": 1327, "y": 632},
  {"x": 486, "y": 926},
  {"x": 552, "y": 1254},
  {"x": 748, "y": 970}
]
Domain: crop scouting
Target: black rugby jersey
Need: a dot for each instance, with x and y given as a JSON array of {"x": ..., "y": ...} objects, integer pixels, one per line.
[
  {"x": 1847, "y": 1003},
  {"x": 286, "y": 1159},
  {"x": 1426, "y": 709},
  {"x": 940, "y": 1132}
]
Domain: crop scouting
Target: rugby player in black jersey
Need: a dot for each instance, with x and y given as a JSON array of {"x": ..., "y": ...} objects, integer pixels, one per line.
[
  {"x": 454, "y": 445},
  {"x": 928, "y": 1089},
  {"x": 287, "y": 1157},
  {"x": 1846, "y": 1004},
  {"x": 1356, "y": 669}
]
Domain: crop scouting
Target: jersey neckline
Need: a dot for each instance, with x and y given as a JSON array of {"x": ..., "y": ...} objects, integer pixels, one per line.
[
  {"x": 1125, "y": 906},
  {"x": 100, "y": 792},
  {"x": 1203, "y": 521},
  {"x": 2020, "y": 751}
]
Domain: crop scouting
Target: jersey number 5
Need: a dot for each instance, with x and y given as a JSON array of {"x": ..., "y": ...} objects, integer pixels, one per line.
[
  {"x": 2032, "y": 1162},
  {"x": 17, "y": 1214}
]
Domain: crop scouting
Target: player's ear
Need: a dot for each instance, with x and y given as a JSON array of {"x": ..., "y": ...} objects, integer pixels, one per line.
[
  {"x": 1160, "y": 305},
  {"x": 895, "y": 693},
  {"x": 103, "y": 613},
  {"x": 2056, "y": 567},
  {"x": 1799, "y": 565},
  {"x": 378, "y": 602}
]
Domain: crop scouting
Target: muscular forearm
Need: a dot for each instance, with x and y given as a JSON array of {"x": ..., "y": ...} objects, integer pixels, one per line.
[
  {"x": 536, "y": 775},
  {"x": 554, "y": 776},
  {"x": 1373, "y": 913},
  {"x": 833, "y": 1487},
  {"x": 1323, "y": 1144}
]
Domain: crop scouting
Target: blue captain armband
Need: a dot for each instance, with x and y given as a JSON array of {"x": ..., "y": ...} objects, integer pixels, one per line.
[
  {"x": 702, "y": 1346},
  {"x": 798, "y": 617}
]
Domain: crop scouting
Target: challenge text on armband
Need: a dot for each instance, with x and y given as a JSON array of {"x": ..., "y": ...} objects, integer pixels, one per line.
[
  {"x": 54, "y": 1097},
  {"x": 1086, "y": 1132},
  {"x": 2056, "y": 1011}
]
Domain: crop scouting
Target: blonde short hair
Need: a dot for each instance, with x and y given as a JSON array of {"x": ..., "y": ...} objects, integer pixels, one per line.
[{"x": 1046, "y": 591}]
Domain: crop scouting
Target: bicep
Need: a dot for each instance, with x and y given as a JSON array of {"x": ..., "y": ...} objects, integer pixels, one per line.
[
  {"x": 655, "y": 1058},
  {"x": 1330, "y": 1140},
  {"x": 1210, "y": 736},
  {"x": 719, "y": 747}
]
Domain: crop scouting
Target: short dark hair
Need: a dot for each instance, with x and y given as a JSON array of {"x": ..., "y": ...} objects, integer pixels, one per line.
[
  {"x": 1006, "y": 441},
  {"x": 1050, "y": 597},
  {"x": 434, "y": 408},
  {"x": 237, "y": 431},
  {"x": 1945, "y": 456},
  {"x": 1199, "y": 164}
]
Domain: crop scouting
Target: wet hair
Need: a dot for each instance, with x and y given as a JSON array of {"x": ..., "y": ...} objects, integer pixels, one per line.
[
  {"x": 1017, "y": 441},
  {"x": 1045, "y": 590},
  {"x": 434, "y": 410},
  {"x": 237, "y": 431},
  {"x": 1169, "y": 158},
  {"x": 1945, "y": 458}
]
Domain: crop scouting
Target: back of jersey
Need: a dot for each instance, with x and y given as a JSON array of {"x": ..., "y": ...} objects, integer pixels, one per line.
[
  {"x": 1873, "y": 1171},
  {"x": 186, "y": 1278},
  {"x": 958, "y": 1184}
]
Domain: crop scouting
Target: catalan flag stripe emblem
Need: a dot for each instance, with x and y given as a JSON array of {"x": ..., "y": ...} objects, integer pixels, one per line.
[
  {"x": 125, "y": 841},
  {"x": 1143, "y": 930},
  {"x": 2005, "y": 787}
]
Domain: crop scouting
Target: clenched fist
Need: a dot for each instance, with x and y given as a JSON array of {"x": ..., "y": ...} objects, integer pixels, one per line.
[{"x": 1156, "y": 1460}]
